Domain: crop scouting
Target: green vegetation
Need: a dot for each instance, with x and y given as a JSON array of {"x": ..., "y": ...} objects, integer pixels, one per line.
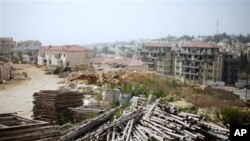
[
  {"x": 153, "y": 84},
  {"x": 192, "y": 110},
  {"x": 171, "y": 90},
  {"x": 98, "y": 97},
  {"x": 120, "y": 111},
  {"x": 233, "y": 115}
]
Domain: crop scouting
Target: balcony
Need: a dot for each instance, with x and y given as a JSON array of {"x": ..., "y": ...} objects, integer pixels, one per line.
[
  {"x": 192, "y": 73},
  {"x": 191, "y": 66}
]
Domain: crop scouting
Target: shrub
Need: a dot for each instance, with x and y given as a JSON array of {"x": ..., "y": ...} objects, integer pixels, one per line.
[{"x": 233, "y": 115}]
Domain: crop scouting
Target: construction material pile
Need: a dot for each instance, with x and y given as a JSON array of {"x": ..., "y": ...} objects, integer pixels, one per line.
[
  {"x": 15, "y": 128},
  {"x": 87, "y": 126},
  {"x": 157, "y": 122},
  {"x": 86, "y": 112},
  {"x": 52, "y": 106}
]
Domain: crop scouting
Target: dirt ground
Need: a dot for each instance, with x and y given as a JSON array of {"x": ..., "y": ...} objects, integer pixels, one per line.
[{"x": 17, "y": 97}]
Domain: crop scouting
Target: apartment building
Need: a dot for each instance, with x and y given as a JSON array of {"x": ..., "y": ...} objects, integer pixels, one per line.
[
  {"x": 230, "y": 67},
  {"x": 6, "y": 44},
  {"x": 157, "y": 56},
  {"x": 66, "y": 55},
  {"x": 195, "y": 61},
  {"x": 199, "y": 61}
]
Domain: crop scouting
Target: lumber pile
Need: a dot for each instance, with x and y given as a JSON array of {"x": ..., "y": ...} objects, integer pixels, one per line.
[
  {"x": 158, "y": 122},
  {"x": 53, "y": 106},
  {"x": 86, "y": 112},
  {"x": 15, "y": 128},
  {"x": 87, "y": 126}
]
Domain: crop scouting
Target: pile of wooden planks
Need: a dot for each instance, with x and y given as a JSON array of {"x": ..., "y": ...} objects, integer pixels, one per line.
[
  {"x": 15, "y": 128},
  {"x": 87, "y": 126},
  {"x": 157, "y": 122},
  {"x": 86, "y": 112},
  {"x": 53, "y": 106}
]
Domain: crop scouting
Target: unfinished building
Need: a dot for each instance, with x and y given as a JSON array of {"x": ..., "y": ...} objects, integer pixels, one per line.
[
  {"x": 199, "y": 61},
  {"x": 157, "y": 56},
  {"x": 230, "y": 67}
]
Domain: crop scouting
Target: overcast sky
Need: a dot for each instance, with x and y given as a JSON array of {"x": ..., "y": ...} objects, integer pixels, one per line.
[{"x": 92, "y": 21}]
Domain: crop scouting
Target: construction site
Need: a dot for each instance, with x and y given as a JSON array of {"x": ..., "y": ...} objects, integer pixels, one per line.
[{"x": 115, "y": 104}]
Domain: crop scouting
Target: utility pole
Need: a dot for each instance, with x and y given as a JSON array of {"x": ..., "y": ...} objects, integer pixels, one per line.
[{"x": 217, "y": 27}]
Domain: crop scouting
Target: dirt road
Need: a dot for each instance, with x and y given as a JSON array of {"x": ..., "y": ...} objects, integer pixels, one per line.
[{"x": 17, "y": 97}]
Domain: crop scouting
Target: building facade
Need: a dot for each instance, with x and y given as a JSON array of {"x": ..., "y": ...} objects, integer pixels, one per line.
[
  {"x": 199, "y": 61},
  {"x": 195, "y": 61},
  {"x": 230, "y": 67},
  {"x": 66, "y": 56},
  {"x": 157, "y": 56}
]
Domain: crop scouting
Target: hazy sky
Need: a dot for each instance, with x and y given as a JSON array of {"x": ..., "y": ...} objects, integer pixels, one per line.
[{"x": 92, "y": 21}]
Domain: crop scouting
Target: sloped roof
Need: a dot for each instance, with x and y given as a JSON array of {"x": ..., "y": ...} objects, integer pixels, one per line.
[
  {"x": 112, "y": 60},
  {"x": 65, "y": 48},
  {"x": 200, "y": 45},
  {"x": 157, "y": 44}
]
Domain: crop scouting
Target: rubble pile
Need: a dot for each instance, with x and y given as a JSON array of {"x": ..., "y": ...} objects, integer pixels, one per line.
[
  {"x": 156, "y": 122},
  {"x": 84, "y": 67},
  {"x": 84, "y": 77},
  {"x": 15, "y": 128},
  {"x": 52, "y": 106},
  {"x": 100, "y": 78}
]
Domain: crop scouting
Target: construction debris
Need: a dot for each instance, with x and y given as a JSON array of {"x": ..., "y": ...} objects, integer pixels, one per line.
[
  {"x": 85, "y": 112},
  {"x": 88, "y": 76},
  {"x": 52, "y": 106},
  {"x": 15, "y": 128},
  {"x": 87, "y": 126},
  {"x": 152, "y": 122}
]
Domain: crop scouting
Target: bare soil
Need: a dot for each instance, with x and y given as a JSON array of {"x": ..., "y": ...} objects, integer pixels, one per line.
[{"x": 17, "y": 96}]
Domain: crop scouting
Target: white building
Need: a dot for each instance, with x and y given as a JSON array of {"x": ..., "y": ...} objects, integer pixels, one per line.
[{"x": 66, "y": 55}]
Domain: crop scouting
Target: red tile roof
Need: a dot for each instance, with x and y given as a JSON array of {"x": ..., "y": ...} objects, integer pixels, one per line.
[
  {"x": 112, "y": 60},
  {"x": 158, "y": 45},
  {"x": 200, "y": 45},
  {"x": 65, "y": 48}
]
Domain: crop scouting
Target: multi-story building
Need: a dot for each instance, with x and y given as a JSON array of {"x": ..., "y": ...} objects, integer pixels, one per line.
[
  {"x": 157, "y": 56},
  {"x": 66, "y": 56},
  {"x": 6, "y": 44},
  {"x": 196, "y": 61},
  {"x": 230, "y": 67},
  {"x": 199, "y": 61}
]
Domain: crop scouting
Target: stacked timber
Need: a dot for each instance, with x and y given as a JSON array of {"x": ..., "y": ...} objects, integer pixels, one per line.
[
  {"x": 158, "y": 122},
  {"x": 15, "y": 128},
  {"x": 53, "y": 106},
  {"x": 87, "y": 126},
  {"x": 86, "y": 112}
]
